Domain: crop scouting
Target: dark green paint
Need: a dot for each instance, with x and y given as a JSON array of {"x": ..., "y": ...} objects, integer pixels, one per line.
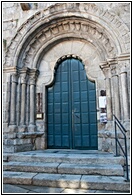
[{"x": 72, "y": 118}]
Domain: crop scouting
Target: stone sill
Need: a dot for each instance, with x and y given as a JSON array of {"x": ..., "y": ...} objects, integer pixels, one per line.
[{"x": 29, "y": 134}]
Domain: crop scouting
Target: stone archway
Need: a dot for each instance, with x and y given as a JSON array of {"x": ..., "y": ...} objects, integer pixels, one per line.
[
  {"x": 42, "y": 25},
  {"x": 46, "y": 30}
]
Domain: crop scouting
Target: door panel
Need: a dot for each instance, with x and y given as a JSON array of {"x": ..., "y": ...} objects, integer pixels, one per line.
[{"x": 72, "y": 121}]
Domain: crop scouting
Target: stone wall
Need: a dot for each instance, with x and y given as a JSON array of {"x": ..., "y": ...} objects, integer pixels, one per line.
[
  {"x": 86, "y": 34},
  {"x": 14, "y": 16}
]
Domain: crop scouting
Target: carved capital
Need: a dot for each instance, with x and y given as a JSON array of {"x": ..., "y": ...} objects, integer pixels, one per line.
[
  {"x": 122, "y": 66},
  {"x": 14, "y": 78},
  {"x": 113, "y": 66},
  {"x": 106, "y": 69},
  {"x": 33, "y": 74},
  {"x": 23, "y": 78},
  {"x": 23, "y": 74},
  {"x": 123, "y": 63}
]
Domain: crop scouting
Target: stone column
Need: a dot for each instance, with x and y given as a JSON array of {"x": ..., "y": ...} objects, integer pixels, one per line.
[
  {"x": 28, "y": 104},
  {"x": 125, "y": 100},
  {"x": 13, "y": 102},
  {"x": 22, "y": 127},
  {"x": 6, "y": 104},
  {"x": 124, "y": 89},
  {"x": 106, "y": 70},
  {"x": 115, "y": 84},
  {"x": 32, "y": 101},
  {"x": 32, "y": 81},
  {"x": 8, "y": 94}
]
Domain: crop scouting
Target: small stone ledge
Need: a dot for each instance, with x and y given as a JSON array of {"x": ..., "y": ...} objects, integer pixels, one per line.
[{"x": 29, "y": 134}]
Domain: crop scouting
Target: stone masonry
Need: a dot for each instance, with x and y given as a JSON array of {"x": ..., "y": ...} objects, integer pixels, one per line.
[{"x": 36, "y": 36}]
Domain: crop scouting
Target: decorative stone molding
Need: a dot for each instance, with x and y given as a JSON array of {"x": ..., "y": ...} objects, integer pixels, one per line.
[
  {"x": 106, "y": 69},
  {"x": 72, "y": 28},
  {"x": 108, "y": 22},
  {"x": 113, "y": 66},
  {"x": 14, "y": 78},
  {"x": 65, "y": 57},
  {"x": 33, "y": 74},
  {"x": 10, "y": 69},
  {"x": 123, "y": 63}
]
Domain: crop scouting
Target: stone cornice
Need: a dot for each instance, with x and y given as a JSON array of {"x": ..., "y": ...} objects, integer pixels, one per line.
[
  {"x": 10, "y": 69},
  {"x": 24, "y": 70},
  {"x": 123, "y": 57},
  {"x": 106, "y": 69}
]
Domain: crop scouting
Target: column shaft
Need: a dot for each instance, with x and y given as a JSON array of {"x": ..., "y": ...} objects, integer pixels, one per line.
[
  {"x": 27, "y": 105},
  {"x": 13, "y": 104},
  {"x": 125, "y": 100},
  {"x": 115, "y": 81},
  {"x": 23, "y": 102},
  {"x": 108, "y": 98},
  {"x": 8, "y": 97},
  {"x": 32, "y": 104}
]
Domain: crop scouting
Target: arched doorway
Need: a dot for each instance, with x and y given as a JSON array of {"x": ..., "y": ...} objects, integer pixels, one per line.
[{"x": 72, "y": 116}]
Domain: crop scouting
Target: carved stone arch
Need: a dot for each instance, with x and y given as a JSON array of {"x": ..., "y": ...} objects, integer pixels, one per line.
[
  {"x": 66, "y": 57},
  {"x": 70, "y": 28},
  {"x": 84, "y": 51},
  {"x": 120, "y": 39},
  {"x": 47, "y": 46}
]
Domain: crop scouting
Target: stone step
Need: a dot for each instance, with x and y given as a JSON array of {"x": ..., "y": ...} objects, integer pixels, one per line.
[
  {"x": 37, "y": 156},
  {"x": 92, "y": 182},
  {"x": 64, "y": 168}
]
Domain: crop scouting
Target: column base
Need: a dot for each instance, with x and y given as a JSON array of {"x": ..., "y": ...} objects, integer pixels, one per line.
[
  {"x": 5, "y": 127},
  {"x": 12, "y": 128},
  {"x": 22, "y": 128},
  {"x": 31, "y": 128}
]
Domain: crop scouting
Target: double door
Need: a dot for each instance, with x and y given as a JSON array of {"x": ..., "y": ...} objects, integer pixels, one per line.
[{"x": 71, "y": 112}]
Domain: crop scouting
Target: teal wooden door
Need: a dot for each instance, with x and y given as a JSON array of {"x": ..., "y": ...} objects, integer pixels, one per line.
[{"x": 72, "y": 121}]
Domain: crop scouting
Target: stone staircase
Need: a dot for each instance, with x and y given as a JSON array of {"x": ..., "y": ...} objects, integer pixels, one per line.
[{"x": 92, "y": 170}]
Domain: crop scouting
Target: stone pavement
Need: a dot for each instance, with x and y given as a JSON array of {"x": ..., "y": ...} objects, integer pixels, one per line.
[
  {"x": 8, "y": 188},
  {"x": 53, "y": 156}
]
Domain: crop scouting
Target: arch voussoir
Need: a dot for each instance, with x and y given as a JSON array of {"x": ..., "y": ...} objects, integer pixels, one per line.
[{"x": 39, "y": 29}]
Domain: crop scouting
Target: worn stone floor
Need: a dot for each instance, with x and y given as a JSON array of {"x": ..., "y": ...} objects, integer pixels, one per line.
[{"x": 26, "y": 189}]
